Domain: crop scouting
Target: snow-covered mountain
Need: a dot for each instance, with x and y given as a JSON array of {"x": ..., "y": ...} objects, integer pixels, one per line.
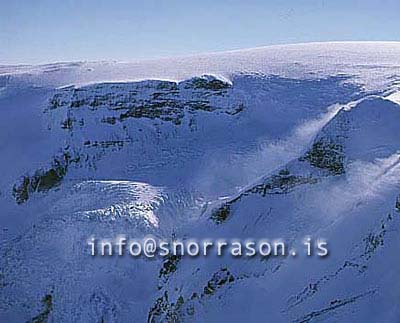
[{"x": 281, "y": 142}]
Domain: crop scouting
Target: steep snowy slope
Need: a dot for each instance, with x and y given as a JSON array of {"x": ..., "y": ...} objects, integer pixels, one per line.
[
  {"x": 281, "y": 142},
  {"x": 337, "y": 190}
]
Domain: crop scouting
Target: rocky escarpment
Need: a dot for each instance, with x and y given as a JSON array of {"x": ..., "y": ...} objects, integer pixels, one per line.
[{"x": 163, "y": 100}]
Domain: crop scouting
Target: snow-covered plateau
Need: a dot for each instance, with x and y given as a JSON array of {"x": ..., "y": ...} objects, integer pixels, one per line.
[{"x": 281, "y": 142}]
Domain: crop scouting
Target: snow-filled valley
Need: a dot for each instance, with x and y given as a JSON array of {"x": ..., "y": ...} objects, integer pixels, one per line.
[{"x": 282, "y": 142}]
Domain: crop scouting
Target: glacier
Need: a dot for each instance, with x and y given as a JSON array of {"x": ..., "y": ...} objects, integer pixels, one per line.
[{"x": 281, "y": 141}]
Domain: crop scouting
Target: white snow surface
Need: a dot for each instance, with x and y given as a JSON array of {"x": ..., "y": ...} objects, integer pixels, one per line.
[{"x": 371, "y": 62}]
